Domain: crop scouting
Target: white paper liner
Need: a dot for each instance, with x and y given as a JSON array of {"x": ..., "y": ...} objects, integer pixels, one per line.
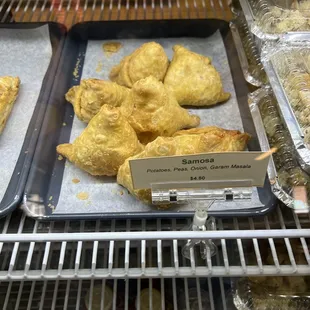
[{"x": 25, "y": 53}]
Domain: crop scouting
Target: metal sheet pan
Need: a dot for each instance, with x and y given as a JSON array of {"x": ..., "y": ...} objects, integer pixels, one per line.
[
  {"x": 50, "y": 193},
  {"x": 32, "y": 52}
]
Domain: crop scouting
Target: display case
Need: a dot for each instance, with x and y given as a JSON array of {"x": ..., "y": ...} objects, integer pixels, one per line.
[{"x": 79, "y": 264}]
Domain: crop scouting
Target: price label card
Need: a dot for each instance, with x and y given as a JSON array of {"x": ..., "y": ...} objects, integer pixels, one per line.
[{"x": 198, "y": 168}]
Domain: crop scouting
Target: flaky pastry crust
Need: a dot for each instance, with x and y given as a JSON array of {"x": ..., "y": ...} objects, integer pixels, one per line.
[
  {"x": 104, "y": 145},
  {"x": 92, "y": 94},
  {"x": 153, "y": 111},
  {"x": 148, "y": 59},
  {"x": 9, "y": 87},
  {"x": 193, "y": 79},
  {"x": 200, "y": 140}
]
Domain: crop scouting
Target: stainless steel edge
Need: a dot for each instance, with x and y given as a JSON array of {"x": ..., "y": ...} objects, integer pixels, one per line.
[
  {"x": 242, "y": 56},
  {"x": 287, "y": 113},
  {"x": 254, "y": 100},
  {"x": 295, "y": 36},
  {"x": 247, "y": 10}
]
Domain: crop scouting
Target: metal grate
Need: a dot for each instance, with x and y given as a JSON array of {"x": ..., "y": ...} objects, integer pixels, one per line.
[
  {"x": 70, "y": 12},
  {"x": 179, "y": 294},
  {"x": 32, "y": 250}
]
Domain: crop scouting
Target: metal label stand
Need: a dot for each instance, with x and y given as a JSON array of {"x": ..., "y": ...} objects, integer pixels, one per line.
[{"x": 182, "y": 192}]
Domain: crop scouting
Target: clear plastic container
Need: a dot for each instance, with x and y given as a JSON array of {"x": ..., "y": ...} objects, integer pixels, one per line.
[
  {"x": 275, "y": 292},
  {"x": 273, "y": 17},
  {"x": 287, "y": 65},
  {"x": 288, "y": 172},
  {"x": 280, "y": 294}
]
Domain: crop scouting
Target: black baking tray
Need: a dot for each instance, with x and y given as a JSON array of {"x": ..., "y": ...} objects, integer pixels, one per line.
[
  {"x": 14, "y": 192},
  {"x": 41, "y": 185}
]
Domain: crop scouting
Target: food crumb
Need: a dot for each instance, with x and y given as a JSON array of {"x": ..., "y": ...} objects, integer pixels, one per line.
[
  {"x": 49, "y": 205},
  {"x": 121, "y": 193},
  {"x": 64, "y": 124},
  {"x": 76, "y": 69},
  {"x": 60, "y": 157},
  {"x": 99, "y": 67},
  {"x": 26, "y": 152},
  {"x": 110, "y": 48},
  {"x": 82, "y": 196},
  {"x": 75, "y": 181},
  {"x": 51, "y": 197}
]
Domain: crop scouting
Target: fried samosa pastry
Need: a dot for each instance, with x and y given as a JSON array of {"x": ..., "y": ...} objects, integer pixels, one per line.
[
  {"x": 9, "y": 87},
  {"x": 148, "y": 59},
  {"x": 92, "y": 94},
  {"x": 207, "y": 139},
  {"x": 104, "y": 144},
  {"x": 216, "y": 139},
  {"x": 193, "y": 79},
  {"x": 153, "y": 111}
]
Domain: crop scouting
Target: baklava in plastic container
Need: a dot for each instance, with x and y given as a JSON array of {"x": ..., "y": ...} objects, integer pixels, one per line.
[
  {"x": 276, "y": 292},
  {"x": 248, "y": 52},
  {"x": 287, "y": 64},
  {"x": 271, "y": 18},
  {"x": 285, "y": 172}
]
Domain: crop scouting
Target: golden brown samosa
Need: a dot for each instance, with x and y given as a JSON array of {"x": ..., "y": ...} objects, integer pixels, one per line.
[
  {"x": 88, "y": 97},
  {"x": 153, "y": 111},
  {"x": 104, "y": 144},
  {"x": 206, "y": 140},
  {"x": 9, "y": 87},
  {"x": 148, "y": 59},
  {"x": 193, "y": 79}
]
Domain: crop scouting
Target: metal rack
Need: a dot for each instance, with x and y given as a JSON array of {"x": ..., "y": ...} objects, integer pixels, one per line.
[
  {"x": 33, "y": 250},
  {"x": 51, "y": 265},
  {"x": 72, "y": 294},
  {"x": 70, "y": 12}
]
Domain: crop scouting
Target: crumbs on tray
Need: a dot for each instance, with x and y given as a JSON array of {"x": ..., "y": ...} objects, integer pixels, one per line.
[
  {"x": 82, "y": 195},
  {"x": 110, "y": 48},
  {"x": 75, "y": 181},
  {"x": 99, "y": 67}
]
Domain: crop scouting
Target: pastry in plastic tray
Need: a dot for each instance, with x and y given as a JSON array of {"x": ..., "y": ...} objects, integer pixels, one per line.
[
  {"x": 153, "y": 111},
  {"x": 9, "y": 87},
  {"x": 200, "y": 140},
  {"x": 148, "y": 59},
  {"x": 276, "y": 17},
  {"x": 92, "y": 94},
  {"x": 104, "y": 145},
  {"x": 289, "y": 172},
  {"x": 193, "y": 80},
  {"x": 293, "y": 69},
  {"x": 276, "y": 292}
]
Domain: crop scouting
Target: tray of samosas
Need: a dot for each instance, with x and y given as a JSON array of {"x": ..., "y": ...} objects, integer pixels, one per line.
[
  {"x": 29, "y": 55},
  {"x": 135, "y": 90}
]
